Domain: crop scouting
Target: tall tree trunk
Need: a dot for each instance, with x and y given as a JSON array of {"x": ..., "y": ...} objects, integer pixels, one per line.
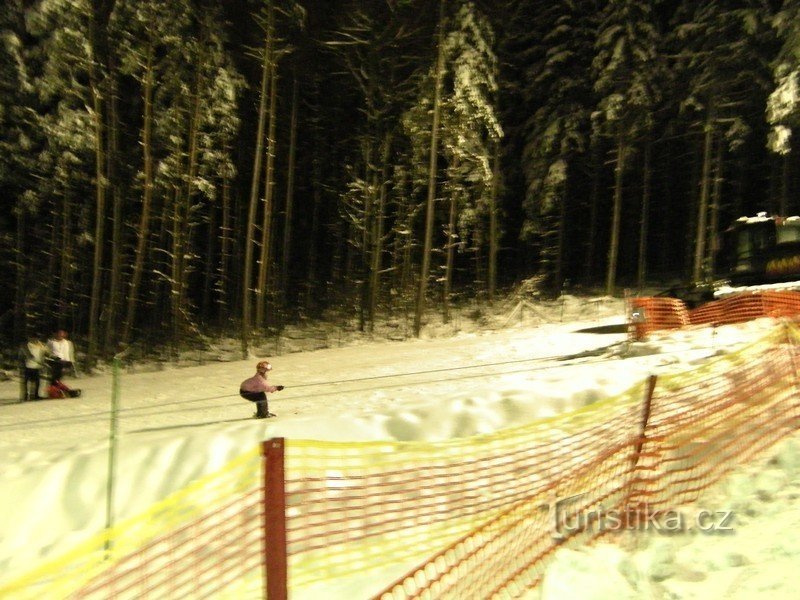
[
  {"x": 432, "y": 167},
  {"x": 450, "y": 252},
  {"x": 57, "y": 230},
  {"x": 183, "y": 208},
  {"x": 290, "y": 167},
  {"x": 210, "y": 273},
  {"x": 400, "y": 233},
  {"x": 493, "y": 233},
  {"x": 100, "y": 89},
  {"x": 225, "y": 252},
  {"x": 613, "y": 248},
  {"x": 662, "y": 219},
  {"x": 21, "y": 323},
  {"x": 645, "y": 217},
  {"x": 254, "y": 188},
  {"x": 594, "y": 209},
  {"x": 716, "y": 199},
  {"x": 114, "y": 294},
  {"x": 269, "y": 188},
  {"x": 147, "y": 199},
  {"x": 558, "y": 272},
  {"x": 366, "y": 229},
  {"x": 377, "y": 251},
  {"x": 702, "y": 208},
  {"x": 100, "y": 217},
  {"x": 311, "y": 260},
  {"x": 65, "y": 257},
  {"x": 785, "y": 177},
  {"x": 175, "y": 270}
]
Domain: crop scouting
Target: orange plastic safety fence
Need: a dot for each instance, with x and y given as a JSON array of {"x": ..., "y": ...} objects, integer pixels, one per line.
[
  {"x": 198, "y": 542},
  {"x": 747, "y": 306},
  {"x": 649, "y": 314},
  {"x": 401, "y": 501},
  {"x": 700, "y": 426},
  {"x": 199, "y": 559}
]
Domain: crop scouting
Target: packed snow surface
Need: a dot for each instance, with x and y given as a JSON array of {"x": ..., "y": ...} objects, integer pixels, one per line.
[{"x": 177, "y": 424}]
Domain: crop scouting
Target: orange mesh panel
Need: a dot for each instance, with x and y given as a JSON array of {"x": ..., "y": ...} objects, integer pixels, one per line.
[
  {"x": 649, "y": 314},
  {"x": 348, "y": 503},
  {"x": 199, "y": 559},
  {"x": 198, "y": 542},
  {"x": 701, "y": 426},
  {"x": 781, "y": 303},
  {"x": 711, "y": 313},
  {"x": 746, "y": 307}
]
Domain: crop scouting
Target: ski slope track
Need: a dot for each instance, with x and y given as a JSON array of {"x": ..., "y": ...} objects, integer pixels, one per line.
[{"x": 178, "y": 424}]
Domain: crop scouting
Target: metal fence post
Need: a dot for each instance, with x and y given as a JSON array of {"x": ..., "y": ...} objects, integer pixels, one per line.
[{"x": 275, "y": 551}]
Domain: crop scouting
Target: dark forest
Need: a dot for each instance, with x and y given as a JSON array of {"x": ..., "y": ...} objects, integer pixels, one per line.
[{"x": 173, "y": 170}]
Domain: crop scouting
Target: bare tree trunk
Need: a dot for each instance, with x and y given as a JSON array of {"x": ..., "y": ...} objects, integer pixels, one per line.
[
  {"x": 210, "y": 260},
  {"x": 644, "y": 222},
  {"x": 377, "y": 251},
  {"x": 183, "y": 199},
  {"x": 65, "y": 257},
  {"x": 57, "y": 229},
  {"x": 114, "y": 293},
  {"x": 493, "y": 233},
  {"x": 311, "y": 261},
  {"x": 702, "y": 208},
  {"x": 785, "y": 177},
  {"x": 594, "y": 200},
  {"x": 449, "y": 253},
  {"x": 21, "y": 280},
  {"x": 558, "y": 272},
  {"x": 613, "y": 249},
  {"x": 401, "y": 232},
  {"x": 432, "y": 167},
  {"x": 287, "y": 225},
  {"x": 269, "y": 187},
  {"x": 225, "y": 249},
  {"x": 716, "y": 198},
  {"x": 254, "y": 187},
  {"x": 174, "y": 282},
  {"x": 366, "y": 231},
  {"x": 100, "y": 216},
  {"x": 147, "y": 199}
]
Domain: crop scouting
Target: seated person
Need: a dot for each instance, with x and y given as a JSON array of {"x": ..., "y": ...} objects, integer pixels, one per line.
[{"x": 59, "y": 389}]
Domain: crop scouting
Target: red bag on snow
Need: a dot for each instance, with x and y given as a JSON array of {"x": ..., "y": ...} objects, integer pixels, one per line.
[{"x": 58, "y": 389}]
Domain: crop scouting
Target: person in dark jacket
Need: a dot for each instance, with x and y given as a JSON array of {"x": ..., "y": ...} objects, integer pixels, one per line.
[{"x": 256, "y": 388}]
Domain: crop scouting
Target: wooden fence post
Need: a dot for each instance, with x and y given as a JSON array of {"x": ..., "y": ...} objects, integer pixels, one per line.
[
  {"x": 648, "y": 400},
  {"x": 637, "y": 452},
  {"x": 275, "y": 551}
]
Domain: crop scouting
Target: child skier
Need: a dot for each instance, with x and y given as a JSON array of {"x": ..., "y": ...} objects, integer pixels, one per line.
[{"x": 256, "y": 388}]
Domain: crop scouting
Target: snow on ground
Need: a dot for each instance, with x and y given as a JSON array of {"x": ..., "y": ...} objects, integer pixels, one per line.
[{"x": 177, "y": 424}]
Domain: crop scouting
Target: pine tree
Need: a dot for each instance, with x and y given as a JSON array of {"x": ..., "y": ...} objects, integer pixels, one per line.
[
  {"x": 722, "y": 51},
  {"x": 470, "y": 131},
  {"x": 555, "y": 53},
  {"x": 626, "y": 70}
]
